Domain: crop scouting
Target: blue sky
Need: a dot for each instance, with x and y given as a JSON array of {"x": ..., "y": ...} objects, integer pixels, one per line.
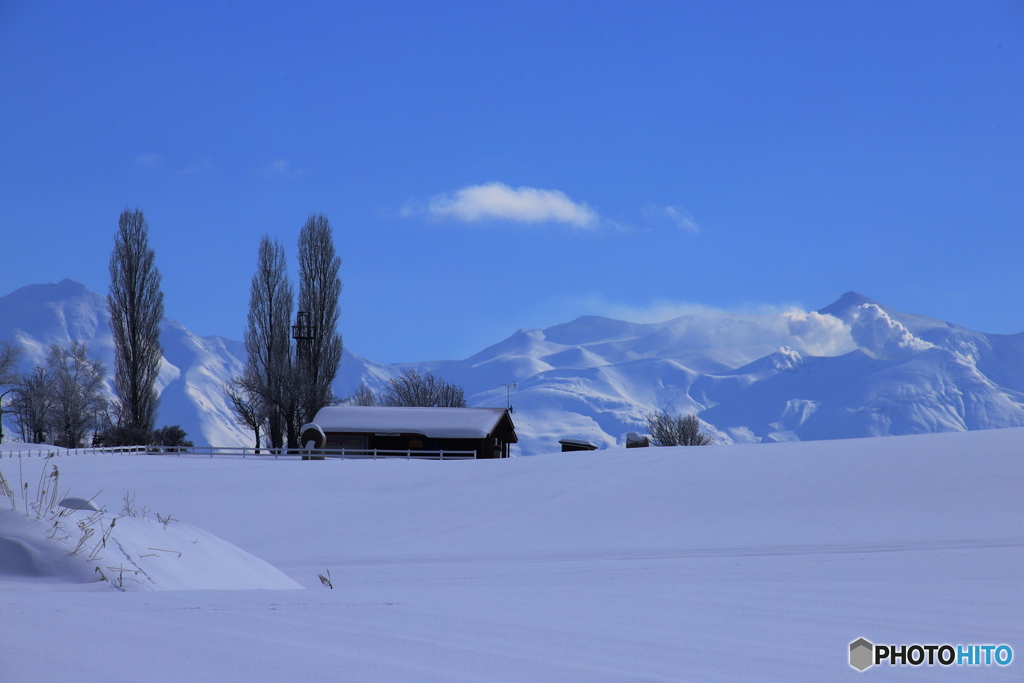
[{"x": 495, "y": 166}]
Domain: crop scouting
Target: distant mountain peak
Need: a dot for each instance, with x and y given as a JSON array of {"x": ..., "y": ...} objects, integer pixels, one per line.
[
  {"x": 843, "y": 307},
  {"x": 589, "y": 329},
  {"x": 66, "y": 285},
  {"x": 847, "y": 306},
  {"x": 48, "y": 292}
]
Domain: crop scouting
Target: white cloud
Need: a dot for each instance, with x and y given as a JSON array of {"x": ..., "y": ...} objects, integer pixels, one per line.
[
  {"x": 682, "y": 219},
  {"x": 497, "y": 201},
  {"x": 279, "y": 168},
  {"x": 150, "y": 162},
  {"x": 676, "y": 215},
  {"x": 413, "y": 207},
  {"x": 203, "y": 164}
]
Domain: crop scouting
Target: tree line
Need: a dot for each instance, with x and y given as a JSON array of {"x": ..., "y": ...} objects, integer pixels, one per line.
[
  {"x": 289, "y": 371},
  {"x": 287, "y": 377}
]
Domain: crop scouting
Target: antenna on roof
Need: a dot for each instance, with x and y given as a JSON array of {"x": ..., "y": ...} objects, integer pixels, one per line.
[{"x": 508, "y": 395}]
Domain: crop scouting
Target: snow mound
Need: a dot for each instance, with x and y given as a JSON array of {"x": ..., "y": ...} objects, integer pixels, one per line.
[
  {"x": 130, "y": 553},
  {"x": 76, "y": 503},
  {"x": 26, "y": 551},
  {"x": 143, "y": 554}
]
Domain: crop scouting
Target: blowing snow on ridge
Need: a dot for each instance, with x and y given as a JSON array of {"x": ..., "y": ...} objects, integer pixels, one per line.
[{"x": 854, "y": 368}]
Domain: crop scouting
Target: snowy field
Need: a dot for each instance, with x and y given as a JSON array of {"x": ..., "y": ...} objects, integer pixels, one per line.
[{"x": 726, "y": 563}]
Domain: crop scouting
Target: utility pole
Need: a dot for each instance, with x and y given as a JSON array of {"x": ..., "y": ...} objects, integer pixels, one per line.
[{"x": 508, "y": 395}]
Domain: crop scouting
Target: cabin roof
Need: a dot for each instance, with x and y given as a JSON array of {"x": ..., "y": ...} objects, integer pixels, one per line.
[
  {"x": 579, "y": 442},
  {"x": 436, "y": 423}
]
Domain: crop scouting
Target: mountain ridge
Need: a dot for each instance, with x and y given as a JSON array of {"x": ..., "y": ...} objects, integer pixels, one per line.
[{"x": 855, "y": 367}]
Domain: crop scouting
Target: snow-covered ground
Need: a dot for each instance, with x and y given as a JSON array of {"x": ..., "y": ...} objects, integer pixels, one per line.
[{"x": 757, "y": 562}]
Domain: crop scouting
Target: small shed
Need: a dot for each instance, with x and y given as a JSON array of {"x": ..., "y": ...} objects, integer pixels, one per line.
[
  {"x": 635, "y": 440},
  {"x": 570, "y": 445},
  {"x": 487, "y": 431}
]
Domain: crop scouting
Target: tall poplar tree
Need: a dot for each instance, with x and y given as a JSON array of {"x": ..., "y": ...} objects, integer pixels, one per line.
[
  {"x": 136, "y": 306},
  {"x": 318, "y": 356},
  {"x": 268, "y": 373}
]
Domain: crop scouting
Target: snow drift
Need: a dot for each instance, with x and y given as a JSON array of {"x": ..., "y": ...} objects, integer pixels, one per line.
[{"x": 74, "y": 542}]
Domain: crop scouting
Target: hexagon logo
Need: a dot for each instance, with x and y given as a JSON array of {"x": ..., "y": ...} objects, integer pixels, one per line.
[{"x": 862, "y": 654}]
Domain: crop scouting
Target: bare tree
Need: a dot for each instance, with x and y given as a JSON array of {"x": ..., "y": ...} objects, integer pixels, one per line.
[
  {"x": 31, "y": 403},
  {"x": 249, "y": 408},
  {"x": 363, "y": 396},
  {"x": 136, "y": 307},
  {"x": 318, "y": 345},
  {"x": 669, "y": 430},
  {"x": 447, "y": 394},
  {"x": 413, "y": 389},
  {"x": 9, "y": 354},
  {"x": 268, "y": 374},
  {"x": 77, "y": 386},
  {"x": 8, "y": 375}
]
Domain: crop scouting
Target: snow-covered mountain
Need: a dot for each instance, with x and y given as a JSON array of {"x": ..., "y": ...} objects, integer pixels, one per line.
[{"x": 854, "y": 368}]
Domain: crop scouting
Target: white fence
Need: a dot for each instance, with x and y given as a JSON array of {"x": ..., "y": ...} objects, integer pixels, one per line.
[
  {"x": 275, "y": 453},
  {"x": 41, "y": 451}
]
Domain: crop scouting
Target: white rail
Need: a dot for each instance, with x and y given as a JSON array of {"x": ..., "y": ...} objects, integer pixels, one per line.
[
  {"x": 44, "y": 453},
  {"x": 275, "y": 453}
]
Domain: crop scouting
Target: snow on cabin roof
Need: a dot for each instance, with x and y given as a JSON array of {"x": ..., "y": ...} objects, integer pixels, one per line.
[{"x": 435, "y": 423}]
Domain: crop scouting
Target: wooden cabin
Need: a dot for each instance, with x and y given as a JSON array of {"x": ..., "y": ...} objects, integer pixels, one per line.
[{"x": 487, "y": 431}]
